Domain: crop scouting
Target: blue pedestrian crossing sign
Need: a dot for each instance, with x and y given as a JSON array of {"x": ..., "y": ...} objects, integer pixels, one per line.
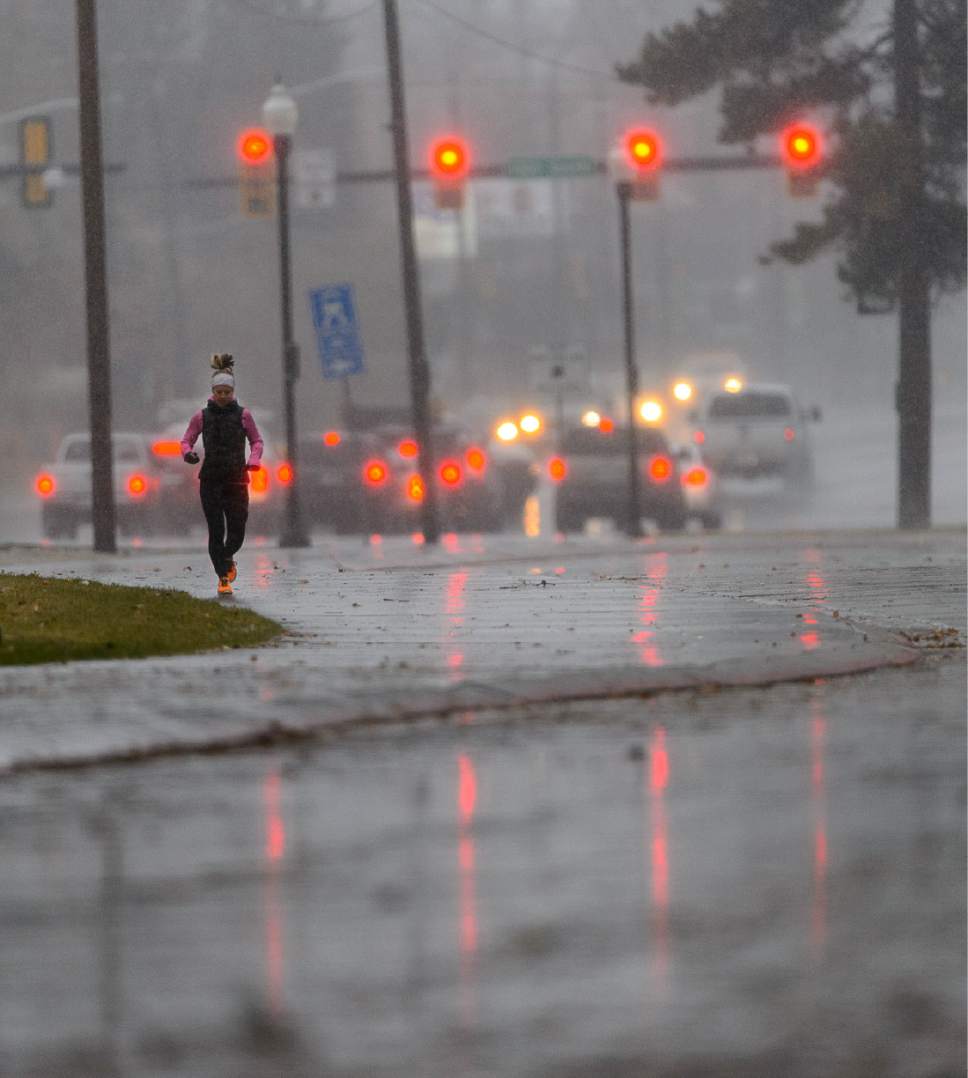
[{"x": 337, "y": 328}]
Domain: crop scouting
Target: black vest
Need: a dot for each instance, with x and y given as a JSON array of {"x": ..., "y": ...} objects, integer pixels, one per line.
[{"x": 224, "y": 439}]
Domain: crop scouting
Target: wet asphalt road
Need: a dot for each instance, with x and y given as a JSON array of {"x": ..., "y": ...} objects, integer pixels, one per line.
[
  {"x": 745, "y": 882},
  {"x": 705, "y": 882}
]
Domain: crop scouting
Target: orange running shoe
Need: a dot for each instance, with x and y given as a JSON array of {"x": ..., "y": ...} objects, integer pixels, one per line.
[
  {"x": 224, "y": 587},
  {"x": 232, "y": 573}
]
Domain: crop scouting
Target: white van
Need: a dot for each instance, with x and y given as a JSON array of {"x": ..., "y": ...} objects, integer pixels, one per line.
[{"x": 758, "y": 430}]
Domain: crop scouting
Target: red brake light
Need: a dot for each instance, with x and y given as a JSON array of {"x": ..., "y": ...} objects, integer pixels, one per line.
[
  {"x": 696, "y": 477},
  {"x": 166, "y": 449},
  {"x": 415, "y": 488},
  {"x": 260, "y": 480},
  {"x": 699, "y": 437},
  {"x": 450, "y": 472},
  {"x": 332, "y": 438},
  {"x": 407, "y": 448},
  {"x": 476, "y": 459},
  {"x": 375, "y": 473},
  {"x": 789, "y": 434},
  {"x": 137, "y": 485},
  {"x": 285, "y": 474},
  {"x": 606, "y": 425},
  {"x": 660, "y": 469},
  {"x": 45, "y": 485},
  {"x": 557, "y": 469}
]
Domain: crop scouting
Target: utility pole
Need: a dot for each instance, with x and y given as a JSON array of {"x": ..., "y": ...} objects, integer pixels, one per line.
[
  {"x": 634, "y": 523},
  {"x": 95, "y": 282},
  {"x": 280, "y": 114},
  {"x": 464, "y": 308},
  {"x": 914, "y": 300},
  {"x": 416, "y": 350}
]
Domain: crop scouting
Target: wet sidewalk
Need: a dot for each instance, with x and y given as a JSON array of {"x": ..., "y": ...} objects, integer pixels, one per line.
[{"x": 389, "y": 630}]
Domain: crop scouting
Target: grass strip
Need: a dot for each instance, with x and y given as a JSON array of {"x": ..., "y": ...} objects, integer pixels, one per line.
[{"x": 45, "y": 619}]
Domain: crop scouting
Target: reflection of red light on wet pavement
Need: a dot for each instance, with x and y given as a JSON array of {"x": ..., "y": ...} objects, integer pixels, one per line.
[
  {"x": 658, "y": 764},
  {"x": 264, "y": 569},
  {"x": 275, "y": 827},
  {"x": 467, "y": 789},
  {"x": 467, "y": 872},
  {"x": 810, "y": 641},
  {"x": 275, "y": 848},
  {"x": 656, "y": 569},
  {"x": 453, "y": 607},
  {"x": 454, "y": 603},
  {"x": 658, "y": 780},
  {"x": 817, "y": 583}
]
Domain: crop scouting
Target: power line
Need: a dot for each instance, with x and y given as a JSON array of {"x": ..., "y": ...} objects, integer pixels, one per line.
[
  {"x": 304, "y": 20},
  {"x": 519, "y": 49}
]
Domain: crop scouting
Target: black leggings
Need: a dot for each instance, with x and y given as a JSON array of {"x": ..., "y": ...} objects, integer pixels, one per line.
[{"x": 226, "y": 507}]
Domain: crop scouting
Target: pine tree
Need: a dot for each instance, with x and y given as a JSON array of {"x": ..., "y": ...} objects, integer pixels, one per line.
[{"x": 890, "y": 84}]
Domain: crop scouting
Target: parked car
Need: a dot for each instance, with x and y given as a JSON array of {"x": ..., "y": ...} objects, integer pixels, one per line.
[
  {"x": 760, "y": 429},
  {"x": 591, "y": 473},
  {"x": 143, "y": 490},
  {"x": 331, "y": 468}
]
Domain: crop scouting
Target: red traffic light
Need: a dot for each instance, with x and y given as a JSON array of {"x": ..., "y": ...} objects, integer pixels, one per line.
[
  {"x": 254, "y": 146},
  {"x": 449, "y": 159},
  {"x": 643, "y": 150},
  {"x": 800, "y": 146}
]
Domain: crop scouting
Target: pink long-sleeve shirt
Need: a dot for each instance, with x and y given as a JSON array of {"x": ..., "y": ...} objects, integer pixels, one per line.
[{"x": 248, "y": 425}]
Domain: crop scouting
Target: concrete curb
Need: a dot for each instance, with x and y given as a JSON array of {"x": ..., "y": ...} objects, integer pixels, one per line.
[{"x": 395, "y": 707}]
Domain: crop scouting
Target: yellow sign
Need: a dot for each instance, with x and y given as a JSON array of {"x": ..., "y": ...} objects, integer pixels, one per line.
[
  {"x": 256, "y": 190},
  {"x": 35, "y": 145}
]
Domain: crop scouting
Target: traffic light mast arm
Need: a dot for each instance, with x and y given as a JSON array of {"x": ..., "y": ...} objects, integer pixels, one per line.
[{"x": 489, "y": 172}]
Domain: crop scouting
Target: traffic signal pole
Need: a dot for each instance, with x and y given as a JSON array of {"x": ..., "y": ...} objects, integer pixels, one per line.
[
  {"x": 634, "y": 523},
  {"x": 914, "y": 300},
  {"x": 416, "y": 350},
  {"x": 293, "y": 534},
  {"x": 95, "y": 282}
]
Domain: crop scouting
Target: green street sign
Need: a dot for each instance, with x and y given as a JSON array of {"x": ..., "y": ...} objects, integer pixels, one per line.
[{"x": 541, "y": 168}]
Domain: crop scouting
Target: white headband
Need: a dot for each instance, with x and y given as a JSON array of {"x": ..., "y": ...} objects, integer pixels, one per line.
[{"x": 223, "y": 378}]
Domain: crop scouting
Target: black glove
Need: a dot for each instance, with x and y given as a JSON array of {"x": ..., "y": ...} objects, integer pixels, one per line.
[{"x": 190, "y": 458}]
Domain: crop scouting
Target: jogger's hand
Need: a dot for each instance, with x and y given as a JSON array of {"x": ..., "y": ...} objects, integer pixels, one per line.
[{"x": 190, "y": 458}]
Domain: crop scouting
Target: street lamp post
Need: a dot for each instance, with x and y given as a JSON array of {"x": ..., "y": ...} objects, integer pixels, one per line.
[
  {"x": 279, "y": 114},
  {"x": 633, "y": 525}
]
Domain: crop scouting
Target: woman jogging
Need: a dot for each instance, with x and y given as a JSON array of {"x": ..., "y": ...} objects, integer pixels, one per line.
[{"x": 224, "y": 426}]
